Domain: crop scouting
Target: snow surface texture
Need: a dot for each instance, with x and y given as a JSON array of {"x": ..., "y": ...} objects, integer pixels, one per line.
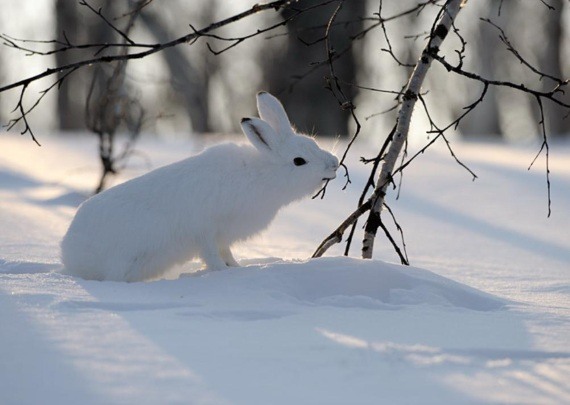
[{"x": 489, "y": 322}]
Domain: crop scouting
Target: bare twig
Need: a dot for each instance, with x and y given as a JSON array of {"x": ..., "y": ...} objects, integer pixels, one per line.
[
  {"x": 369, "y": 184},
  {"x": 23, "y": 84},
  {"x": 402, "y": 256},
  {"x": 549, "y": 95},
  {"x": 334, "y": 86},
  {"x": 503, "y": 37},
  {"x": 99, "y": 13},
  {"x": 390, "y": 49},
  {"x": 401, "y": 231},
  {"x": 544, "y": 146},
  {"x": 111, "y": 106}
]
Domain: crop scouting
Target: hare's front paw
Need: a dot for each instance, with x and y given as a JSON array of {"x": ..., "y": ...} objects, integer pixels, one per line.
[
  {"x": 228, "y": 258},
  {"x": 213, "y": 257}
]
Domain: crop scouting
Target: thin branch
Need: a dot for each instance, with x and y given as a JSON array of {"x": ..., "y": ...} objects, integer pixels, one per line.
[
  {"x": 64, "y": 46},
  {"x": 369, "y": 184},
  {"x": 503, "y": 37},
  {"x": 336, "y": 236},
  {"x": 402, "y": 256},
  {"x": 441, "y": 132},
  {"x": 315, "y": 66},
  {"x": 123, "y": 56},
  {"x": 275, "y": 5},
  {"x": 400, "y": 230},
  {"x": 550, "y": 95},
  {"x": 334, "y": 86},
  {"x": 99, "y": 13},
  {"x": 544, "y": 146},
  {"x": 238, "y": 40},
  {"x": 24, "y": 113},
  {"x": 136, "y": 10},
  {"x": 390, "y": 50},
  {"x": 547, "y": 5}
]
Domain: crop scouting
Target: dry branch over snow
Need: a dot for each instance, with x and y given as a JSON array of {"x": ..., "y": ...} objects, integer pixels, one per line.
[
  {"x": 410, "y": 95},
  {"x": 395, "y": 143}
]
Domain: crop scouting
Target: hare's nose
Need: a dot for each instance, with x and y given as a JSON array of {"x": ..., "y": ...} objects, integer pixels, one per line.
[{"x": 333, "y": 163}]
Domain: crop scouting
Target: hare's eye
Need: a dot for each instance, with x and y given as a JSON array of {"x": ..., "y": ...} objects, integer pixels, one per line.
[{"x": 299, "y": 161}]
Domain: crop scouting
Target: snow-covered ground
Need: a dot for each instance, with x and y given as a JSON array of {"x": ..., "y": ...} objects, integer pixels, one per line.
[{"x": 483, "y": 317}]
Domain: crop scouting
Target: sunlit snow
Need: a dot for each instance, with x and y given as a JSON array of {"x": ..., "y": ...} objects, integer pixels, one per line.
[{"x": 482, "y": 316}]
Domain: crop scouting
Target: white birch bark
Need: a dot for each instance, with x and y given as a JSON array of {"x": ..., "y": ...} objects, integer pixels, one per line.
[{"x": 442, "y": 28}]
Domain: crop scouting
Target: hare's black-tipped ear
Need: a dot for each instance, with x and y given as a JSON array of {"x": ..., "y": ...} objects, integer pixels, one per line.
[
  {"x": 271, "y": 111},
  {"x": 259, "y": 133}
]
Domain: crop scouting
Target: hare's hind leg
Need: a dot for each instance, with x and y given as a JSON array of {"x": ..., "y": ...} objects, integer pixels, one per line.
[{"x": 228, "y": 257}]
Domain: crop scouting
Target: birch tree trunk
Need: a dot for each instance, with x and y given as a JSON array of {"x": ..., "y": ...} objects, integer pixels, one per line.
[{"x": 411, "y": 92}]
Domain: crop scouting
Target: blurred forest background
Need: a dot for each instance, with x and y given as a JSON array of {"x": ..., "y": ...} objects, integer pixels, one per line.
[{"x": 188, "y": 89}]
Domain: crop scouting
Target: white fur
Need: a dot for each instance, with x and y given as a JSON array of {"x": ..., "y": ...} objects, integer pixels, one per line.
[{"x": 198, "y": 207}]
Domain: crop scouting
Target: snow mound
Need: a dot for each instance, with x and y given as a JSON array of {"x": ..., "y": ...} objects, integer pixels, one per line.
[
  {"x": 347, "y": 282},
  {"x": 332, "y": 281}
]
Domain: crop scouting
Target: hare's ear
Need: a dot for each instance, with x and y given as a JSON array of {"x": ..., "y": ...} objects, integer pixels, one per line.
[
  {"x": 259, "y": 133},
  {"x": 271, "y": 111}
]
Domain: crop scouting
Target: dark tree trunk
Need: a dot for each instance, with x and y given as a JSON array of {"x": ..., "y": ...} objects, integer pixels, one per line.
[
  {"x": 79, "y": 26},
  {"x": 186, "y": 80},
  {"x": 69, "y": 103},
  {"x": 311, "y": 107},
  {"x": 552, "y": 64},
  {"x": 484, "y": 120}
]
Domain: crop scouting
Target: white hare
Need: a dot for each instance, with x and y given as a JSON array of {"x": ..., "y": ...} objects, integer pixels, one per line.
[{"x": 198, "y": 207}]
